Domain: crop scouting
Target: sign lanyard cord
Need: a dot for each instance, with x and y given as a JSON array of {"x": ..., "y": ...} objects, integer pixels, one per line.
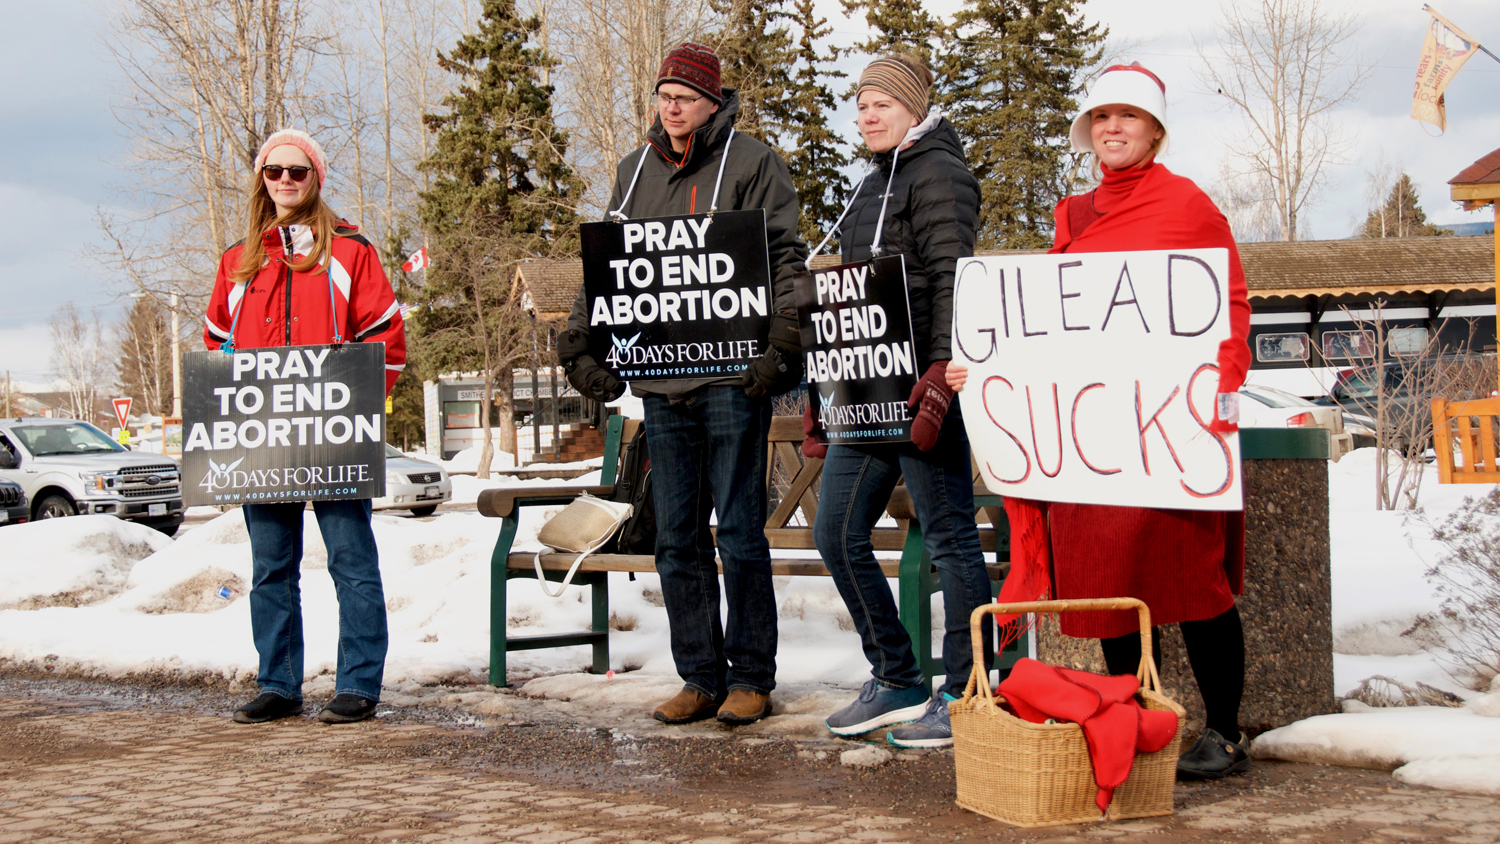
[
  {"x": 333, "y": 305},
  {"x": 714, "y": 206},
  {"x": 723, "y": 159},
  {"x": 615, "y": 214},
  {"x": 884, "y": 200},
  {"x": 835, "y": 227},
  {"x": 227, "y": 346}
]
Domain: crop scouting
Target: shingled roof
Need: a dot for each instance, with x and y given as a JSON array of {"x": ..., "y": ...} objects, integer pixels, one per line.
[
  {"x": 1485, "y": 171},
  {"x": 553, "y": 285},
  {"x": 1376, "y": 265}
]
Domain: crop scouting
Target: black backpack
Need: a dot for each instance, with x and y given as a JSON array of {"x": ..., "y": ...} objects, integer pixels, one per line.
[{"x": 633, "y": 486}]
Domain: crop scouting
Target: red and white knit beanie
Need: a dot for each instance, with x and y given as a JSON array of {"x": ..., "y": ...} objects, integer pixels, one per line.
[
  {"x": 1122, "y": 84},
  {"x": 695, "y": 66},
  {"x": 300, "y": 140}
]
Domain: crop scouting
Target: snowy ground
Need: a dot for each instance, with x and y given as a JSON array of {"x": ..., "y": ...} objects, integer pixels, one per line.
[{"x": 97, "y": 596}]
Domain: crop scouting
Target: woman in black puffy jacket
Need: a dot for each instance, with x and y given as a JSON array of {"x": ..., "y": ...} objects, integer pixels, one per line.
[{"x": 919, "y": 201}]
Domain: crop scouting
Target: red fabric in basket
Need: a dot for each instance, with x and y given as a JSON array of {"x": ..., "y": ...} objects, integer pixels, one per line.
[{"x": 1115, "y": 725}]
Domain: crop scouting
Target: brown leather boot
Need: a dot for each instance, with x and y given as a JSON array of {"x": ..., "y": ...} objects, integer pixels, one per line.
[
  {"x": 744, "y": 706},
  {"x": 685, "y": 707}
]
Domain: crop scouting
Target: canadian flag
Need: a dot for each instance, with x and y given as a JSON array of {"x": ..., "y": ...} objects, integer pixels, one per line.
[{"x": 417, "y": 261}]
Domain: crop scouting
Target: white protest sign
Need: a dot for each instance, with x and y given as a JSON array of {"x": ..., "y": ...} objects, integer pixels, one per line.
[{"x": 1092, "y": 377}]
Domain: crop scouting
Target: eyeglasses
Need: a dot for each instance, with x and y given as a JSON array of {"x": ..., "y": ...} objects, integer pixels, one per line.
[
  {"x": 296, "y": 171},
  {"x": 665, "y": 100}
]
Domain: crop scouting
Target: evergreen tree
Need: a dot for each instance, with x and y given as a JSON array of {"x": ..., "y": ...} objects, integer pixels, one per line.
[
  {"x": 501, "y": 193},
  {"x": 900, "y": 25},
  {"x": 754, "y": 59},
  {"x": 1400, "y": 215},
  {"x": 1012, "y": 76},
  {"x": 817, "y": 156}
]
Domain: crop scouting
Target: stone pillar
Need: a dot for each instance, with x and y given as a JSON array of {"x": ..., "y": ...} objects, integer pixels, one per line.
[{"x": 1287, "y": 607}]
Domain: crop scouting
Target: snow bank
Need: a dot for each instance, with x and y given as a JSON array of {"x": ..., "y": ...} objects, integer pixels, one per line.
[
  {"x": 71, "y": 562},
  {"x": 1443, "y": 747},
  {"x": 468, "y": 460}
]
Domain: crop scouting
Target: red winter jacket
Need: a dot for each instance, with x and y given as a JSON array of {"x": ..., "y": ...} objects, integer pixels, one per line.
[{"x": 280, "y": 307}]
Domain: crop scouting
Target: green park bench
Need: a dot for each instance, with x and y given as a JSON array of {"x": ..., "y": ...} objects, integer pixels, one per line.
[{"x": 918, "y": 577}]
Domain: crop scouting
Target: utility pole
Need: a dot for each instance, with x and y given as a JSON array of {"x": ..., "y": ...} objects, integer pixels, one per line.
[
  {"x": 7, "y": 392},
  {"x": 176, "y": 362}
]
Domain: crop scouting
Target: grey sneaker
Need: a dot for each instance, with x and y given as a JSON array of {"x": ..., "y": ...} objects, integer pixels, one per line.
[
  {"x": 878, "y": 706},
  {"x": 931, "y": 730}
]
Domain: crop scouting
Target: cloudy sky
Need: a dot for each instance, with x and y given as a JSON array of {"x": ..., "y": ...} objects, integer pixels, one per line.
[{"x": 60, "y": 146}]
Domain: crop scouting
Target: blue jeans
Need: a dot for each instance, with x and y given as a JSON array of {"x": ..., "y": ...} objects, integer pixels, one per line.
[
  {"x": 276, "y": 595},
  {"x": 857, "y": 484},
  {"x": 709, "y": 451}
]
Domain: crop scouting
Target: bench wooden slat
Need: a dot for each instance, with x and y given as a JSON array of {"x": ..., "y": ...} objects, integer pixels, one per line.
[{"x": 524, "y": 562}]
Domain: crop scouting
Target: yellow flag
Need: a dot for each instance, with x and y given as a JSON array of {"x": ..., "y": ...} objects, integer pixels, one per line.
[{"x": 1443, "y": 52}]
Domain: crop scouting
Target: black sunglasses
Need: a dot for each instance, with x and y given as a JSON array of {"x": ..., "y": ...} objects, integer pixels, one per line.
[{"x": 297, "y": 172}]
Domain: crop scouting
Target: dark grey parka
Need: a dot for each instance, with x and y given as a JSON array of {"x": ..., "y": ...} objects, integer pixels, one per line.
[
  {"x": 672, "y": 185},
  {"x": 930, "y": 218}
]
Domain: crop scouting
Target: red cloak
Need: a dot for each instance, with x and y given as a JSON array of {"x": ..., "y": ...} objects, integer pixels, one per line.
[{"x": 1187, "y": 565}]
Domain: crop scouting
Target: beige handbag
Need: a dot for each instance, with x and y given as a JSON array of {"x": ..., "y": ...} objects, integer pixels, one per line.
[{"x": 581, "y": 528}]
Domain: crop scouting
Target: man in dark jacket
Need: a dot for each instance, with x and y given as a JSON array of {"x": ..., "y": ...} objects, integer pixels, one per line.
[{"x": 707, "y": 436}]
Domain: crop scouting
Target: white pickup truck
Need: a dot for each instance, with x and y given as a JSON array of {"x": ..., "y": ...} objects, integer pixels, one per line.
[{"x": 69, "y": 467}]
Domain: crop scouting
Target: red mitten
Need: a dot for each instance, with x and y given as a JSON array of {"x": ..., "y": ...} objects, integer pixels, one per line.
[
  {"x": 812, "y": 446},
  {"x": 930, "y": 398}
]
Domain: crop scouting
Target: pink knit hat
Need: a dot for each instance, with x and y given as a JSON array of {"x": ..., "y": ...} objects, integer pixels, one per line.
[{"x": 300, "y": 140}]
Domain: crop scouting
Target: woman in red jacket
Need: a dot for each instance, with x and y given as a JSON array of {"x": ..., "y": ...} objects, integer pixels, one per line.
[
  {"x": 302, "y": 276},
  {"x": 1186, "y": 565}
]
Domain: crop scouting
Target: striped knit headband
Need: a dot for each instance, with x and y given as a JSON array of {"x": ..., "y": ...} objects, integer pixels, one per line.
[{"x": 889, "y": 76}]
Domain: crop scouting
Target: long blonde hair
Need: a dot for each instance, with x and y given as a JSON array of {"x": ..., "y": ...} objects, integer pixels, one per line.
[{"x": 312, "y": 211}]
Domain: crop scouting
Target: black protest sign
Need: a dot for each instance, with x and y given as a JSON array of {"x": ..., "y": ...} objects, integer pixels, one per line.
[
  {"x": 861, "y": 362},
  {"x": 677, "y": 297},
  {"x": 292, "y": 423}
]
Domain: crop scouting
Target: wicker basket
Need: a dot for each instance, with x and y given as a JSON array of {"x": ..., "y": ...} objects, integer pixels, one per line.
[{"x": 1040, "y": 774}]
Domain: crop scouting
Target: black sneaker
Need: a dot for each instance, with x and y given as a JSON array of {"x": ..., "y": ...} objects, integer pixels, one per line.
[
  {"x": 346, "y": 709},
  {"x": 267, "y": 707},
  {"x": 1212, "y": 756}
]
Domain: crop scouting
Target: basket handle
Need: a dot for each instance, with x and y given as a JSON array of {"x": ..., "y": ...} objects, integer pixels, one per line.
[{"x": 979, "y": 678}]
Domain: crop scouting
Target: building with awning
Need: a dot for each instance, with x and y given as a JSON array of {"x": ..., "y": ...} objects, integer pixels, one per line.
[{"x": 1313, "y": 302}]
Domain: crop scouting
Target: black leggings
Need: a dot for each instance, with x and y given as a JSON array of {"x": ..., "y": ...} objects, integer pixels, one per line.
[{"x": 1215, "y": 649}]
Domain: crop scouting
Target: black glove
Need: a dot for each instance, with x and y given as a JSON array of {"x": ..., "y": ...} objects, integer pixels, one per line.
[
  {"x": 584, "y": 373},
  {"x": 780, "y": 368}
]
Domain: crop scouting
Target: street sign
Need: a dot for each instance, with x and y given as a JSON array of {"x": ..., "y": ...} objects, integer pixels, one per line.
[{"x": 122, "y": 410}]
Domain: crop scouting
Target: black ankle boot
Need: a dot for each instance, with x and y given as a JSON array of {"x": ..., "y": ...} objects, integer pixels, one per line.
[
  {"x": 267, "y": 707},
  {"x": 1212, "y": 756},
  {"x": 346, "y": 709}
]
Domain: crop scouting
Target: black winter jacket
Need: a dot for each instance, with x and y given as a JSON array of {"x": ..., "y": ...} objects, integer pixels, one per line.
[
  {"x": 930, "y": 218},
  {"x": 672, "y": 185}
]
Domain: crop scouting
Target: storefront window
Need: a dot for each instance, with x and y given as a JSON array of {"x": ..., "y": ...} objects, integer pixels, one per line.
[
  {"x": 460, "y": 414},
  {"x": 1407, "y": 341},
  {"x": 1348, "y": 345},
  {"x": 1275, "y": 348}
]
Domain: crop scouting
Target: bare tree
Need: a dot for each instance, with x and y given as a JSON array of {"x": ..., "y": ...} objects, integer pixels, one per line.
[
  {"x": 609, "y": 53},
  {"x": 1284, "y": 66},
  {"x": 1248, "y": 204},
  {"x": 207, "y": 81},
  {"x": 1407, "y": 367},
  {"x": 79, "y": 362}
]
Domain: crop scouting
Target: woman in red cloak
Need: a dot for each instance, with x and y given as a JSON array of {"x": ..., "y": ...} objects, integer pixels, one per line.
[{"x": 1186, "y": 565}]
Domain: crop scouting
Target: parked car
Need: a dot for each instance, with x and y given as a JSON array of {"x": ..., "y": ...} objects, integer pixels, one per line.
[
  {"x": 13, "y": 507},
  {"x": 412, "y": 484},
  {"x": 1266, "y": 407},
  {"x": 1409, "y": 387},
  {"x": 67, "y": 467}
]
